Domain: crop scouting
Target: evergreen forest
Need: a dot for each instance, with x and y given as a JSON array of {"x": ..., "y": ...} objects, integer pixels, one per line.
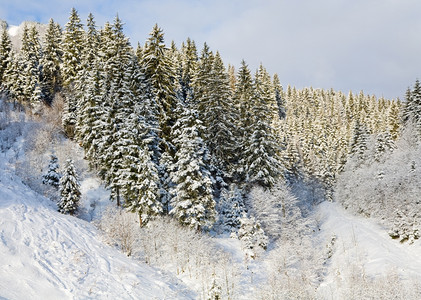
[{"x": 178, "y": 136}]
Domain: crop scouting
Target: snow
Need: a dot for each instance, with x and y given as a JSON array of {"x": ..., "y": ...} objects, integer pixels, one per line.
[
  {"x": 13, "y": 30},
  {"x": 364, "y": 244},
  {"x": 47, "y": 255}
]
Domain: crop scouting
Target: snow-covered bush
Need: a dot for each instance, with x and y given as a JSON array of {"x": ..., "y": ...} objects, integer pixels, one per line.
[
  {"x": 294, "y": 268},
  {"x": 189, "y": 254},
  {"x": 355, "y": 284},
  {"x": 121, "y": 229},
  {"x": 279, "y": 212},
  {"x": 165, "y": 244},
  {"x": 252, "y": 236}
]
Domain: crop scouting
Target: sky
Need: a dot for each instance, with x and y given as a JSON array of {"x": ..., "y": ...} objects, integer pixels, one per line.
[{"x": 368, "y": 45}]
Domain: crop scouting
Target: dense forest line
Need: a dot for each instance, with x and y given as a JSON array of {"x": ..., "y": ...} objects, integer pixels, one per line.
[{"x": 175, "y": 131}]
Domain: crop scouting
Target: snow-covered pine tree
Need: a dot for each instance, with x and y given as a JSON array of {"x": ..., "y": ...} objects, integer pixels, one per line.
[
  {"x": 219, "y": 116},
  {"x": 243, "y": 99},
  {"x": 201, "y": 82},
  {"x": 159, "y": 71},
  {"x": 29, "y": 68},
  {"x": 5, "y": 52},
  {"x": 189, "y": 61},
  {"x": 193, "y": 204},
  {"x": 412, "y": 108},
  {"x": 72, "y": 47},
  {"x": 69, "y": 190},
  {"x": 92, "y": 114},
  {"x": 384, "y": 144},
  {"x": 120, "y": 105},
  {"x": 359, "y": 141},
  {"x": 141, "y": 187},
  {"x": 277, "y": 90},
  {"x": 231, "y": 208},
  {"x": 89, "y": 61},
  {"x": 52, "y": 177},
  {"x": 72, "y": 53},
  {"x": 260, "y": 160},
  {"x": 51, "y": 61}
]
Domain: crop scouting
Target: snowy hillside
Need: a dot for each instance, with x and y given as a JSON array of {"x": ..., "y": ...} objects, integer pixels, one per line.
[
  {"x": 47, "y": 255},
  {"x": 364, "y": 252}
]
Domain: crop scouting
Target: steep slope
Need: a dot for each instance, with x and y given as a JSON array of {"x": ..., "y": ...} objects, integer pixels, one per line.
[{"x": 46, "y": 255}]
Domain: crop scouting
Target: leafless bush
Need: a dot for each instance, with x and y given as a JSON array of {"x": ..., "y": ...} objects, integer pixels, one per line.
[{"x": 165, "y": 244}]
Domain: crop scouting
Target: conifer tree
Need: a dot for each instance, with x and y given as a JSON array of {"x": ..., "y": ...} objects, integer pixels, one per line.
[
  {"x": 260, "y": 158},
  {"x": 359, "y": 141},
  {"x": 69, "y": 190},
  {"x": 384, "y": 144},
  {"x": 243, "y": 99},
  {"x": 193, "y": 203},
  {"x": 231, "y": 207},
  {"x": 52, "y": 177},
  {"x": 141, "y": 188},
  {"x": 30, "y": 67},
  {"x": 72, "y": 47},
  {"x": 159, "y": 71},
  {"x": 51, "y": 60},
  {"x": 91, "y": 121},
  {"x": 202, "y": 82},
  {"x": 189, "y": 62},
  {"x": 277, "y": 89},
  {"x": 5, "y": 53},
  {"x": 412, "y": 109},
  {"x": 219, "y": 116}
]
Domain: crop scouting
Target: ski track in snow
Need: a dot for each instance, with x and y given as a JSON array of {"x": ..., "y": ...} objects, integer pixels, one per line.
[{"x": 47, "y": 255}]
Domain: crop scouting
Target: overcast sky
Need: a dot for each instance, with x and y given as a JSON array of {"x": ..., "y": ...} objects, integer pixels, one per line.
[{"x": 369, "y": 45}]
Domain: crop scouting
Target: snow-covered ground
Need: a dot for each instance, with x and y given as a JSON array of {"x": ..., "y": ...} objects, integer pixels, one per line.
[
  {"x": 364, "y": 247},
  {"x": 47, "y": 255}
]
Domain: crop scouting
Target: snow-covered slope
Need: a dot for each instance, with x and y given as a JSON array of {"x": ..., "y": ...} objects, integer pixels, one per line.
[
  {"x": 47, "y": 255},
  {"x": 364, "y": 247}
]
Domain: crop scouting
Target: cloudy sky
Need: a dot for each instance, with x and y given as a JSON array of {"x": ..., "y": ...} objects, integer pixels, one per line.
[{"x": 369, "y": 45}]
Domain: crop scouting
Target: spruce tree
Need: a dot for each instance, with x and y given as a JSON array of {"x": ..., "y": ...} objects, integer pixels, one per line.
[
  {"x": 120, "y": 102},
  {"x": 51, "y": 60},
  {"x": 252, "y": 236},
  {"x": 72, "y": 47},
  {"x": 218, "y": 114},
  {"x": 277, "y": 89},
  {"x": 52, "y": 177},
  {"x": 5, "y": 53},
  {"x": 243, "y": 101},
  {"x": 159, "y": 71},
  {"x": 412, "y": 108},
  {"x": 359, "y": 141},
  {"x": 141, "y": 187},
  {"x": 260, "y": 160},
  {"x": 69, "y": 190},
  {"x": 193, "y": 203}
]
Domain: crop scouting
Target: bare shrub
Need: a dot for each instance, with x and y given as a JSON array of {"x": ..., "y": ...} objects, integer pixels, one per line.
[{"x": 121, "y": 229}]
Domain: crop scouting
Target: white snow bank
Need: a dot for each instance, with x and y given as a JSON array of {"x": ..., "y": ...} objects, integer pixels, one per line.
[{"x": 47, "y": 255}]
